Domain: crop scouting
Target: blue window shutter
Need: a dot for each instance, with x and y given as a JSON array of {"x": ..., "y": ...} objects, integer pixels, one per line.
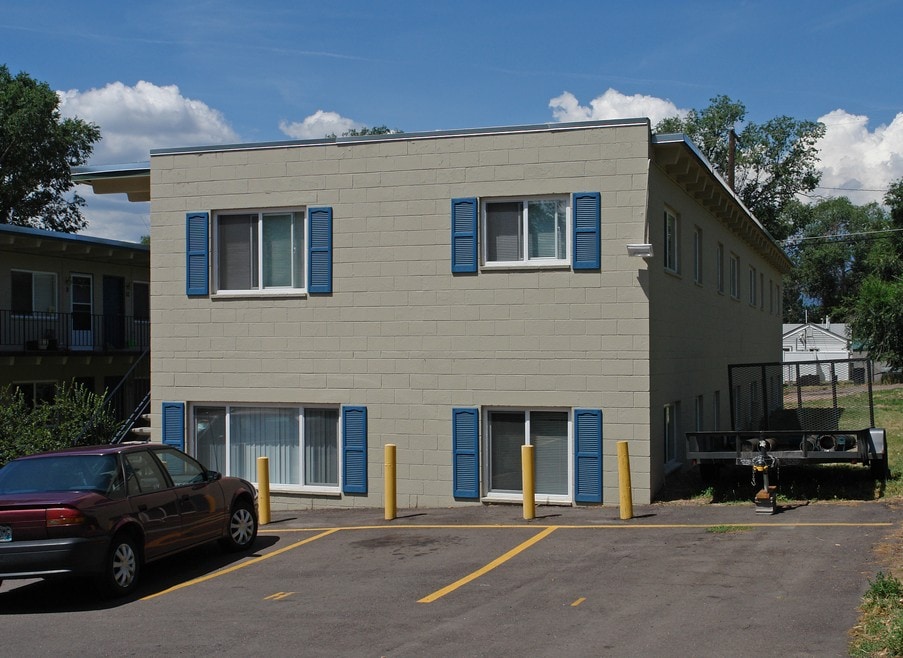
[
  {"x": 196, "y": 253},
  {"x": 174, "y": 424},
  {"x": 588, "y": 455},
  {"x": 354, "y": 449},
  {"x": 587, "y": 222},
  {"x": 466, "y": 453},
  {"x": 464, "y": 235},
  {"x": 319, "y": 251}
]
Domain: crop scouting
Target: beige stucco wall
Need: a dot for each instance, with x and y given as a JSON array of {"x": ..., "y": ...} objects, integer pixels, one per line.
[{"x": 401, "y": 334}]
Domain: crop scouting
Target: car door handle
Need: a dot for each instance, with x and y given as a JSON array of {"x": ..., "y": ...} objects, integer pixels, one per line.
[
  {"x": 142, "y": 508},
  {"x": 185, "y": 498}
]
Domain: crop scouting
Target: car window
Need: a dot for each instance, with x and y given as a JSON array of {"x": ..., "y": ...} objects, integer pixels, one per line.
[
  {"x": 60, "y": 473},
  {"x": 143, "y": 473},
  {"x": 181, "y": 468}
]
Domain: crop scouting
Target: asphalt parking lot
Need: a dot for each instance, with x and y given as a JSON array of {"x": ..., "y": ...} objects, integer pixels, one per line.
[{"x": 480, "y": 581}]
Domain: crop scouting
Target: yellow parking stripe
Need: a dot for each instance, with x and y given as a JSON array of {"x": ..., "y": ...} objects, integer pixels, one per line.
[
  {"x": 438, "y": 594},
  {"x": 241, "y": 565},
  {"x": 578, "y": 601}
]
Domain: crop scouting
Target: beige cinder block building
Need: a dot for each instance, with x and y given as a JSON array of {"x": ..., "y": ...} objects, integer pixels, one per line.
[{"x": 457, "y": 294}]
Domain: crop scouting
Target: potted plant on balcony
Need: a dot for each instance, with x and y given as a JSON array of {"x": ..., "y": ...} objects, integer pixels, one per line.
[{"x": 49, "y": 341}]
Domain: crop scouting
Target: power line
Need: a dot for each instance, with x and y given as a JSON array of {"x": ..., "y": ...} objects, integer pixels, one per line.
[{"x": 844, "y": 236}]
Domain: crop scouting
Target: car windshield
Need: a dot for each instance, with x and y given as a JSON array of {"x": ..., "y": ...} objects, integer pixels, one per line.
[{"x": 59, "y": 473}]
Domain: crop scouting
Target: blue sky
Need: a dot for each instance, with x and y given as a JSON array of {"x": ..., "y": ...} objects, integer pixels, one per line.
[{"x": 163, "y": 74}]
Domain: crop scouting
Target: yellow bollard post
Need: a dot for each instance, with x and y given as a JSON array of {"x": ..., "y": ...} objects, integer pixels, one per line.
[
  {"x": 390, "y": 481},
  {"x": 529, "y": 484},
  {"x": 624, "y": 480},
  {"x": 263, "y": 490}
]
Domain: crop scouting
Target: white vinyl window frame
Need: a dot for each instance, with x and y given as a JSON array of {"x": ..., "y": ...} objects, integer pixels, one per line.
[
  {"x": 672, "y": 241},
  {"x": 257, "y": 249},
  {"x": 332, "y": 489},
  {"x": 505, "y": 496},
  {"x": 561, "y": 238}
]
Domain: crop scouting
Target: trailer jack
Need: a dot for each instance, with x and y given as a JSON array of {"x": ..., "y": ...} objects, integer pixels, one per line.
[{"x": 767, "y": 496}]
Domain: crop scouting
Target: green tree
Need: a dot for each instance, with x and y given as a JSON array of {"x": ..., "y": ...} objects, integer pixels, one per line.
[
  {"x": 38, "y": 148},
  {"x": 833, "y": 246},
  {"x": 360, "y": 132},
  {"x": 877, "y": 309},
  {"x": 774, "y": 161},
  {"x": 75, "y": 416}
]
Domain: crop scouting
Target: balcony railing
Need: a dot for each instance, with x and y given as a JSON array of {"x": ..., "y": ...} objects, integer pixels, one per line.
[{"x": 72, "y": 332}]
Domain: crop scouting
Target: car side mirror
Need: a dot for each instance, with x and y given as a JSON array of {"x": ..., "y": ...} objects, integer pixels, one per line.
[{"x": 213, "y": 476}]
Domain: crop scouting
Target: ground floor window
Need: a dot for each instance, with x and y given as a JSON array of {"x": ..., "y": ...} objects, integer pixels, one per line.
[
  {"x": 547, "y": 431},
  {"x": 36, "y": 393},
  {"x": 672, "y": 412},
  {"x": 302, "y": 443}
]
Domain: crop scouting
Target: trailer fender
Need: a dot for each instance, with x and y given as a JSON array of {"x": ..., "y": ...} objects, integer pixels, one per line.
[{"x": 876, "y": 443}]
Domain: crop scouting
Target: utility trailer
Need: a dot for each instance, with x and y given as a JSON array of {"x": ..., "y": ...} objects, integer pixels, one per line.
[{"x": 793, "y": 413}]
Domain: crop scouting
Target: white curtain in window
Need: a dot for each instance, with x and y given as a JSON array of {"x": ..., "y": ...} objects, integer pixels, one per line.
[
  {"x": 264, "y": 432},
  {"x": 321, "y": 463},
  {"x": 549, "y": 436},
  {"x": 210, "y": 437}
]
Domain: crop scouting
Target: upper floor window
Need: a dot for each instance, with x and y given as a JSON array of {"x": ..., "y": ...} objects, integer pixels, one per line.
[
  {"x": 519, "y": 231},
  {"x": 260, "y": 250},
  {"x": 697, "y": 255},
  {"x": 735, "y": 276},
  {"x": 33, "y": 292},
  {"x": 672, "y": 238},
  {"x": 719, "y": 268},
  {"x": 753, "y": 294}
]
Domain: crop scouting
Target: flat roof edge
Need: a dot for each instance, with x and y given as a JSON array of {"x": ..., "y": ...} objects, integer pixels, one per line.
[
  {"x": 71, "y": 237},
  {"x": 396, "y": 137}
]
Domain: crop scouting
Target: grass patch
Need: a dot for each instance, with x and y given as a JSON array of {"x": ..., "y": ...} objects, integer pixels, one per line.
[
  {"x": 880, "y": 630},
  {"x": 727, "y": 529}
]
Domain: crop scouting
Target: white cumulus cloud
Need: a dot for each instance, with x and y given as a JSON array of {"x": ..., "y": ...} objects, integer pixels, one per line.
[
  {"x": 613, "y": 105},
  {"x": 135, "y": 119},
  {"x": 318, "y": 125},
  {"x": 856, "y": 158}
]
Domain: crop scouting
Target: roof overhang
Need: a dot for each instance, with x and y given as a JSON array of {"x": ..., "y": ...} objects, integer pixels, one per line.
[
  {"x": 132, "y": 180},
  {"x": 681, "y": 161},
  {"x": 26, "y": 240}
]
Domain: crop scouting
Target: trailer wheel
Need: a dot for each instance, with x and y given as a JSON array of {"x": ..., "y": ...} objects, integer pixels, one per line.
[
  {"x": 709, "y": 473},
  {"x": 880, "y": 469}
]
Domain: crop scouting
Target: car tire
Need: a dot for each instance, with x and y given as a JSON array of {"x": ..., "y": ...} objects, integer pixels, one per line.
[
  {"x": 122, "y": 566},
  {"x": 242, "y": 530}
]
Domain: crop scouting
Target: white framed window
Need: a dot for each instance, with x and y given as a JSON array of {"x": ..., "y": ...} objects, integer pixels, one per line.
[
  {"x": 761, "y": 291},
  {"x": 671, "y": 431},
  {"x": 33, "y": 293},
  {"x": 302, "y": 443},
  {"x": 735, "y": 276},
  {"x": 35, "y": 393},
  {"x": 526, "y": 231},
  {"x": 549, "y": 431},
  {"x": 672, "y": 242},
  {"x": 697, "y": 255},
  {"x": 262, "y": 251},
  {"x": 753, "y": 297},
  {"x": 719, "y": 268}
]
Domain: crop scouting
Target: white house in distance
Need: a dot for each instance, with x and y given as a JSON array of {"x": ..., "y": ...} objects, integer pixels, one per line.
[
  {"x": 457, "y": 294},
  {"x": 816, "y": 342}
]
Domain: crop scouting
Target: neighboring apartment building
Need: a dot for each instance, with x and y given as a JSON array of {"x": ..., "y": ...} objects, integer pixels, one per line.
[
  {"x": 73, "y": 308},
  {"x": 457, "y": 294}
]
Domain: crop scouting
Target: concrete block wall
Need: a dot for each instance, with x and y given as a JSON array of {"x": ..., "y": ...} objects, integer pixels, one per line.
[{"x": 400, "y": 334}]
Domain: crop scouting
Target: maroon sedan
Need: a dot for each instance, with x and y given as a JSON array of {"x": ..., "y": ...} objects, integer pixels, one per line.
[{"x": 104, "y": 511}]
